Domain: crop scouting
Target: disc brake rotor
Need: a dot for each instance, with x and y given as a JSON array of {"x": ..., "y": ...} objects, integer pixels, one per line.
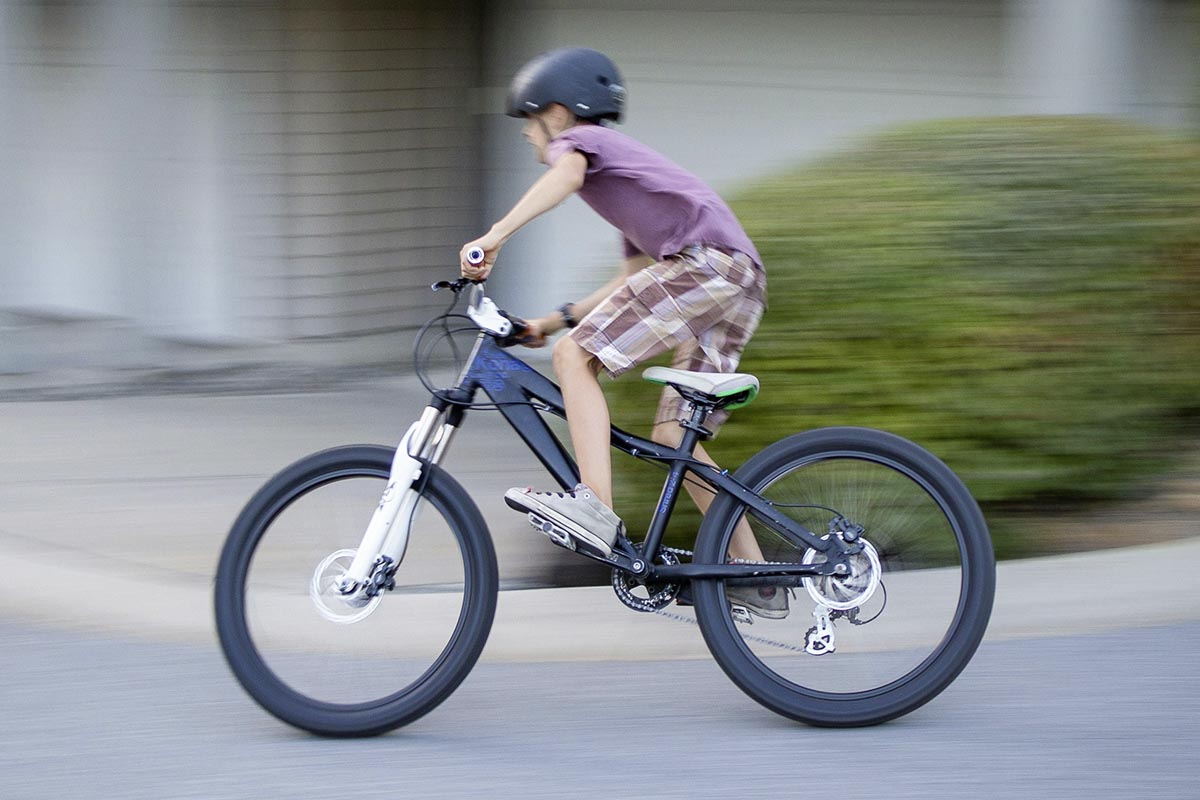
[
  {"x": 844, "y": 592},
  {"x": 325, "y": 592}
]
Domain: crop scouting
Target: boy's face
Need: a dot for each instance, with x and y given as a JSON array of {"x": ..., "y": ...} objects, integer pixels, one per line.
[{"x": 534, "y": 132}]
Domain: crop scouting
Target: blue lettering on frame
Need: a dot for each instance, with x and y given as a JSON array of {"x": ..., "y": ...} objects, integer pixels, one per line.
[
  {"x": 493, "y": 367},
  {"x": 672, "y": 488}
]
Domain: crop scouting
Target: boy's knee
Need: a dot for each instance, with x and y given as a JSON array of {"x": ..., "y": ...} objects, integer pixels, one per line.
[{"x": 569, "y": 355}]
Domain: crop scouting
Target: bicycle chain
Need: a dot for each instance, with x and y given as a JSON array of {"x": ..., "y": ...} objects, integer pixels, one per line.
[
  {"x": 679, "y": 551},
  {"x": 850, "y": 616}
]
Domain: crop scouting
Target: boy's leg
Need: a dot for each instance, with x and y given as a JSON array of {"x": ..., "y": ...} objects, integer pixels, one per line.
[
  {"x": 768, "y": 602},
  {"x": 743, "y": 544},
  {"x": 657, "y": 309},
  {"x": 587, "y": 415},
  {"x": 584, "y": 516},
  {"x": 638, "y": 321},
  {"x": 717, "y": 349}
]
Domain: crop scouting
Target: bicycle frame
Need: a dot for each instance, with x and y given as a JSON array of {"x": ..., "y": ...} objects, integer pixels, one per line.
[{"x": 522, "y": 395}]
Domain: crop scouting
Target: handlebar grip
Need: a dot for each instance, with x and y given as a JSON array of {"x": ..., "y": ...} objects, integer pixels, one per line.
[
  {"x": 475, "y": 256},
  {"x": 517, "y": 334}
]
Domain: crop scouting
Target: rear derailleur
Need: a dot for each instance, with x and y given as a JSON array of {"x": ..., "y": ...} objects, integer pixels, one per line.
[{"x": 821, "y": 639}]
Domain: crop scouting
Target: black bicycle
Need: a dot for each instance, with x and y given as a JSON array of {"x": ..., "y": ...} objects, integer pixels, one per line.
[{"x": 882, "y": 551}]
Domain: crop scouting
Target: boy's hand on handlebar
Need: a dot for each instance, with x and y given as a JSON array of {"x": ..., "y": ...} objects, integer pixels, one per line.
[
  {"x": 490, "y": 245},
  {"x": 536, "y": 331}
]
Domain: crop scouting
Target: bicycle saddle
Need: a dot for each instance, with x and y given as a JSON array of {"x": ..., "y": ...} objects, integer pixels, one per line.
[{"x": 717, "y": 385}]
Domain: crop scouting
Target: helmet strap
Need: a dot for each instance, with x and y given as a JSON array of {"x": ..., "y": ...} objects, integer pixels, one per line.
[{"x": 545, "y": 130}]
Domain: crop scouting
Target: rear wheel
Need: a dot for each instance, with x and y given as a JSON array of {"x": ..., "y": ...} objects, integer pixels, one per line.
[
  {"x": 883, "y": 640},
  {"x": 357, "y": 666}
]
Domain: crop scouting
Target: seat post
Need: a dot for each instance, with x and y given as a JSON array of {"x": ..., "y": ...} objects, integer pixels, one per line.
[{"x": 694, "y": 431}]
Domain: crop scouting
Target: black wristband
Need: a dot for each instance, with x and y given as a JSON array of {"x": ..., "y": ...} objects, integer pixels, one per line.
[{"x": 568, "y": 318}]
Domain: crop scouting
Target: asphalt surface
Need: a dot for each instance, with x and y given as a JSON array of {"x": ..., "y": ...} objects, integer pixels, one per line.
[{"x": 1108, "y": 715}]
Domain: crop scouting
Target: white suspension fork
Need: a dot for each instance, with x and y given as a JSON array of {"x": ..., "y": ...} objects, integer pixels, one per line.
[
  {"x": 396, "y": 542},
  {"x": 383, "y": 536}
]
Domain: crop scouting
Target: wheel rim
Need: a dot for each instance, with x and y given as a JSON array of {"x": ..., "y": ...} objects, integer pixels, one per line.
[
  {"x": 921, "y": 551},
  {"x": 384, "y": 654}
]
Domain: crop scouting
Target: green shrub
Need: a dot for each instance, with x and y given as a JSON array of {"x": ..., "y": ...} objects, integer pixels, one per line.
[{"x": 1021, "y": 296}]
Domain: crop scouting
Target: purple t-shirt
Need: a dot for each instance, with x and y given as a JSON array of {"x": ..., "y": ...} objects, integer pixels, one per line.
[{"x": 660, "y": 207}]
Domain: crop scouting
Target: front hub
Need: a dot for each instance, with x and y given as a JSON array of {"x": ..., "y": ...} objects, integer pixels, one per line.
[{"x": 343, "y": 605}]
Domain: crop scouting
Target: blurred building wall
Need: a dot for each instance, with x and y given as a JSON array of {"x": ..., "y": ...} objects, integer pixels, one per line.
[
  {"x": 284, "y": 179},
  {"x": 1133, "y": 58},
  {"x": 228, "y": 174}
]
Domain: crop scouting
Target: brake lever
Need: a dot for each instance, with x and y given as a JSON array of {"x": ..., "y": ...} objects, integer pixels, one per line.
[
  {"x": 457, "y": 286},
  {"x": 507, "y": 328}
]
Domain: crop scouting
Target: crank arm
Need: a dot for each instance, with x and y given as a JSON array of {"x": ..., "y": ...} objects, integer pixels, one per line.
[{"x": 623, "y": 557}]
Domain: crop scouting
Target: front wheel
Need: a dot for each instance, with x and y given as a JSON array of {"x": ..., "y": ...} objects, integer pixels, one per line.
[
  {"x": 349, "y": 667},
  {"x": 881, "y": 641}
]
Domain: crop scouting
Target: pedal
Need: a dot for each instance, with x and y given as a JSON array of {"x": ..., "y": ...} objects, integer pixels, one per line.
[
  {"x": 741, "y": 614},
  {"x": 564, "y": 538},
  {"x": 554, "y": 533}
]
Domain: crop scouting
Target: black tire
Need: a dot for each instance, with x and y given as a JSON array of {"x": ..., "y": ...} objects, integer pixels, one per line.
[
  {"x": 274, "y": 644},
  {"x": 934, "y": 550}
]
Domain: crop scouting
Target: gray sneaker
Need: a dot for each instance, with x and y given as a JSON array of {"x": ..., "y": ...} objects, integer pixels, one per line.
[
  {"x": 769, "y": 602},
  {"x": 577, "y": 514}
]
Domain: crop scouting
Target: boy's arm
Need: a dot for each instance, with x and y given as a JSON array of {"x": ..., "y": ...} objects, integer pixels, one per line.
[
  {"x": 582, "y": 308},
  {"x": 545, "y": 326},
  {"x": 560, "y": 182}
]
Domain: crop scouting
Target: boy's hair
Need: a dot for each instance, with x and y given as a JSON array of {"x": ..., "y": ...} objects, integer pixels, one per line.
[{"x": 585, "y": 81}]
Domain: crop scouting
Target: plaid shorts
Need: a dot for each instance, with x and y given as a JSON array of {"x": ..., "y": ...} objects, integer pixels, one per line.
[{"x": 703, "y": 303}]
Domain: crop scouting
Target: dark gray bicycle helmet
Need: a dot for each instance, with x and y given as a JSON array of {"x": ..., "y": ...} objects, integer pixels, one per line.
[{"x": 585, "y": 81}]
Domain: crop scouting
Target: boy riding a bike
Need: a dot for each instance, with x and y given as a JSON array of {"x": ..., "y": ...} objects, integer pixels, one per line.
[
  {"x": 879, "y": 534},
  {"x": 691, "y": 281}
]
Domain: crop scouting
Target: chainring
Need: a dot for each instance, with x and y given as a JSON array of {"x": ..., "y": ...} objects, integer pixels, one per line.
[{"x": 658, "y": 595}]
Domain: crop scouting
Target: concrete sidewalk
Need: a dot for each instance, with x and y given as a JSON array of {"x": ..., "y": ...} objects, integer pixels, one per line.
[
  {"x": 152, "y": 483},
  {"x": 113, "y": 511}
]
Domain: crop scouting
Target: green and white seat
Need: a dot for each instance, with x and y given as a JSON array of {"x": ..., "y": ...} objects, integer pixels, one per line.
[{"x": 738, "y": 388}]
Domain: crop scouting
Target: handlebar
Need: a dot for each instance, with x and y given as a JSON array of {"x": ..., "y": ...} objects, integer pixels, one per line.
[
  {"x": 506, "y": 328},
  {"x": 456, "y": 286}
]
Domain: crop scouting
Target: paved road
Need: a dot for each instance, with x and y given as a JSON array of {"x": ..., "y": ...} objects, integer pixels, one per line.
[{"x": 1105, "y": 715}]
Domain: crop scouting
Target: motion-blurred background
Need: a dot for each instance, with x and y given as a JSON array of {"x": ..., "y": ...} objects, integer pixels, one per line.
[
  {"x": 980, "y": 218},
  {"x": 219, "y": 220}
]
